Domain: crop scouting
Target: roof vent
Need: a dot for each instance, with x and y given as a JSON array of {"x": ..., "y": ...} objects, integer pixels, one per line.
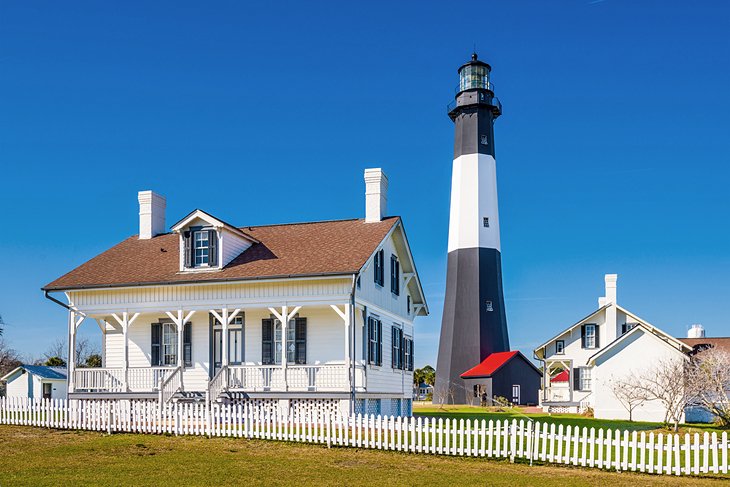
[{"x": 696, "y": 331}]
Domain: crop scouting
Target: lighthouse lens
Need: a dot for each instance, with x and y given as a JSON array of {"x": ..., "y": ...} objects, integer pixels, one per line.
[{"x": 474, "y": 76}]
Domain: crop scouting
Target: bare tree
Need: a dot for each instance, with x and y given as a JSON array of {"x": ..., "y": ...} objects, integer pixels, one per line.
[
  {"x": 629, "y": 393},
  {"x": 85, "y": 349},
  {"x": 708, "y": 374},
  {"x": 666, "y": 382},
  {"x": 9, "y": 359}
]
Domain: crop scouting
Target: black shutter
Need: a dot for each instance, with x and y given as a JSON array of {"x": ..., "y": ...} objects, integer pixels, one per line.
[
  {"x": 394, "y": 337},
  {"x": 410, "y": 352},
  {"x": 156, "y": 343},
  {"x": 188, "y": 344},
  {"x": 380, "y": 342},
  {"x": 402, "y": 351},
  {"x": 598, "y": 342},
  {"x": 408, "y": 304},
  {"x": 213, "y": 243},
  {"x": 369, "y": 341},
  {"x": 300, "y": 347},
  {"x": 583, "y": 336},
  {"x": 576, "y": 379},
  {"x": 188, "y": 240},
  {"x": 267, "y": 341}
]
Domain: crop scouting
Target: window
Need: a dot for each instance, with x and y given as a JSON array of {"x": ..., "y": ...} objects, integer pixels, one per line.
[
  {"x": 516, "y": 393},
  {"x": 290, "y": 342},
  {"x": 235, "y": 337},
  {"x": 486, "y": 222},
  {"x": 202, "y": 247},
  {"x": 408, "y": 353},
  {"x": 626, "y": 327},
  {"x": 375, "y": 341},
  {"x": 589, "y": 335},
  {"x": 484, "y": 140},
  {"x": 560, "y": 347},
  {"x": 378, "y": 270},
  {"x": 489, "y": 306},
  {"x": 397, "y": 347},
  {"x": 169, "y": 344},
  {"x": 394, "y": 275},
  {"x": 358, "y": 282},
  {"x": 582, "y": 378}
]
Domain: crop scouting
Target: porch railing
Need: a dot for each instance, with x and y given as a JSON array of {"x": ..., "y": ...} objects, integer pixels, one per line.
[
  {"x": 218, "y": 383},
  {"x": 325, "y": 377},
  {"x": 99, "y": 379},
  {"x": 170, "y": 385},
  {"x": 105, "y": 379}
]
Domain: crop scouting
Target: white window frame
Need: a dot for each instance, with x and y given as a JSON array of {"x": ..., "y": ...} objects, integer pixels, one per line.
[
  {"x": 291, "y": 335},
  {"x": 204, "y": 259},
  {"x": 560, "y": 350},
  {"x": 590, "y": 338},
  {"x": 169, "y": 350},
  {"x": 584, "y": 379}
]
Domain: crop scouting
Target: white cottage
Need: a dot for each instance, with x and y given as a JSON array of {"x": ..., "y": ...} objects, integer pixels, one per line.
[
  {"x": 608, "y": 344},
  {"x": 300, "y": 316},
  {"x": 36, "y": 382}
]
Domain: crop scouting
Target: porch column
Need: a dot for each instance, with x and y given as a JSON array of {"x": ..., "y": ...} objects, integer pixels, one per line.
[
  {"x": 125, "y": 321},
  {"x": 346, "y": 315},
  {"x": 225, "y": 319},
  {"x": 284, "y": 318}
]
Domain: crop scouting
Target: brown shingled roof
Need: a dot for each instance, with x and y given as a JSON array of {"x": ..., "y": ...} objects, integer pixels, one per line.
[
  {"x": 298, "y": 249},
  {"x": 721, "y": 343}
]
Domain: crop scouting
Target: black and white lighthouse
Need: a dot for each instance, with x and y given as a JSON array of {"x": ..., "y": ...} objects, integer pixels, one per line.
[{"x": 474, "y": 323}]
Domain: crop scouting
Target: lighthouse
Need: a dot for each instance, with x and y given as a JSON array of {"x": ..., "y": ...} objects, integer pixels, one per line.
[{"x": 474, "y": 324}]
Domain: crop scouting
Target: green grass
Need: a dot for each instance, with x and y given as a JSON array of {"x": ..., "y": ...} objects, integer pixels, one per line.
[
  {"x": 37, "y": 456},
  {"x": 474, "y": 412}
]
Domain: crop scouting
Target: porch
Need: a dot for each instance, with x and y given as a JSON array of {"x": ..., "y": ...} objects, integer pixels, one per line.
[{"x": 210, "y": 352}]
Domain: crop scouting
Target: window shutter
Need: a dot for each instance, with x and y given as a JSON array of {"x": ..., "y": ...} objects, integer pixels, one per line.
[
  {"x": 394, "y": 337},
  {"x": 576, "y": 379},
  {"x": 598, "y": 343},
  {"x": 267, "y": 341},
  {"x": 300, "y": 347},
  {"x": 583, "y": 336},
  {"x": 410, "y": 351},
  {"x": 188, "y": 344},
  {"x": 380, "y": 342},
  {"x": 213, "y": 242},
  {"x": 188, "y": 244},
  {"x": 156, "y": 329},
  {"x": 402, "y": 351}
]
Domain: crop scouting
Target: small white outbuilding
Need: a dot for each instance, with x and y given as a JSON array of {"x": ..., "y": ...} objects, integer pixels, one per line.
[{"x": 36, "y": 381}]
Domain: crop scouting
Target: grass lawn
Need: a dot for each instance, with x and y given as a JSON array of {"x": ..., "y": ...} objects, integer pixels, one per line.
[
  {"x": 474, "y": 412},
  {"x": 37, "y": 456}
]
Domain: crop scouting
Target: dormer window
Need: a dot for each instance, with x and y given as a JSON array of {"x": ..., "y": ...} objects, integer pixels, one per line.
[{"x": 201, "y": 239}]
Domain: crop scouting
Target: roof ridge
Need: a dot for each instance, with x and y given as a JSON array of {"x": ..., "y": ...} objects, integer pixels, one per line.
[{"x": 313, "y": 222}]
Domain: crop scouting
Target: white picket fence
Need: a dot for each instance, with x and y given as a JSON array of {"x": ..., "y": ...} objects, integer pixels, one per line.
[{"x": 522, "y": 440}]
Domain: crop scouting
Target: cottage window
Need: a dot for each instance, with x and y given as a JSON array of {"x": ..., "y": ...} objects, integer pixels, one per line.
[
  {"x": 397, "y": 348},
  {"x": 408, "y": 353},
  {"x": 290, "y": 342},
  {"x": 375, "y": 341},
  {"x": 589, "y": 336},
  {"x": 560, "y": 347},
  {"x": 379, "y": 268},
  {"x": 202, "y": 248},
  {"x": 584, "y": 378},
  {"x": 169, "y": 344},
  {"x": 394, "y": 275}
]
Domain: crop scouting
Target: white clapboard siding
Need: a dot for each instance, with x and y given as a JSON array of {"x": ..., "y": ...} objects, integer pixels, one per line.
[{"x": 668, "y": 454}]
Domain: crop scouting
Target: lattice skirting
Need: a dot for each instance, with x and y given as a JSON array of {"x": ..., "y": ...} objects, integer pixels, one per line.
[
  {"x": 563, "y": 409},
  {"x": 316, "y": 406}
]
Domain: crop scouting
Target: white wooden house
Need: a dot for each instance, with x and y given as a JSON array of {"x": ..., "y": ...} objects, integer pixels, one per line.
[
  {"x": 610, "y": 343},
  {"x": 35, "y": 382},
  {"x": 300, "y": 316}
]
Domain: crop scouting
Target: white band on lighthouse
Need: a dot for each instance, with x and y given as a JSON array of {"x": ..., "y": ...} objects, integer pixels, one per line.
[{"x": 474, "y": 216}]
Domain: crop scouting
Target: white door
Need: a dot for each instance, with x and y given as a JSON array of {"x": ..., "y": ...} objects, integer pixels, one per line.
[{"x": 516, "y": 394}]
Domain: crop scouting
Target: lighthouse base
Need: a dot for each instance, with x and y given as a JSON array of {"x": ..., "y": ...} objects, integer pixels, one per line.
[{"x": 474, "y": 324}]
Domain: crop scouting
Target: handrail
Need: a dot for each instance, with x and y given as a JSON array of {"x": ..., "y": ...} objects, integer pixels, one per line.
[
  {"x": 170, "y": 385},
  {"x": 218, "y": 383}
]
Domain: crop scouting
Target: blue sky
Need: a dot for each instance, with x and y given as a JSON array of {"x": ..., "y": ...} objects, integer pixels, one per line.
[{"x": 612, "y": 152}]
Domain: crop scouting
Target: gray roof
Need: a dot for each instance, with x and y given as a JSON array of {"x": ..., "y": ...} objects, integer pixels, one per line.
[{"x": 46, "y": 372}]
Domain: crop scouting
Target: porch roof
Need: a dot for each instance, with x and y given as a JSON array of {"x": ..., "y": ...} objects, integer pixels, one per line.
[{"x": 289, "y": 250}]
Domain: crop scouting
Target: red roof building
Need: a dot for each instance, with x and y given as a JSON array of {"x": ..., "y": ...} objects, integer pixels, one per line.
[{"x": 505, "y": 374}]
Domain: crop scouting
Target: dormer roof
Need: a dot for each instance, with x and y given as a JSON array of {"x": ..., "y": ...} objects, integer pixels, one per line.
[{"x": 199, "y": 214}]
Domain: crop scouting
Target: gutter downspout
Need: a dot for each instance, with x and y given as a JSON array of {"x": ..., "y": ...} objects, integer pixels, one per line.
[
  {"x": 353, "y": 347},
  {"x": 48, "y": 296}
]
